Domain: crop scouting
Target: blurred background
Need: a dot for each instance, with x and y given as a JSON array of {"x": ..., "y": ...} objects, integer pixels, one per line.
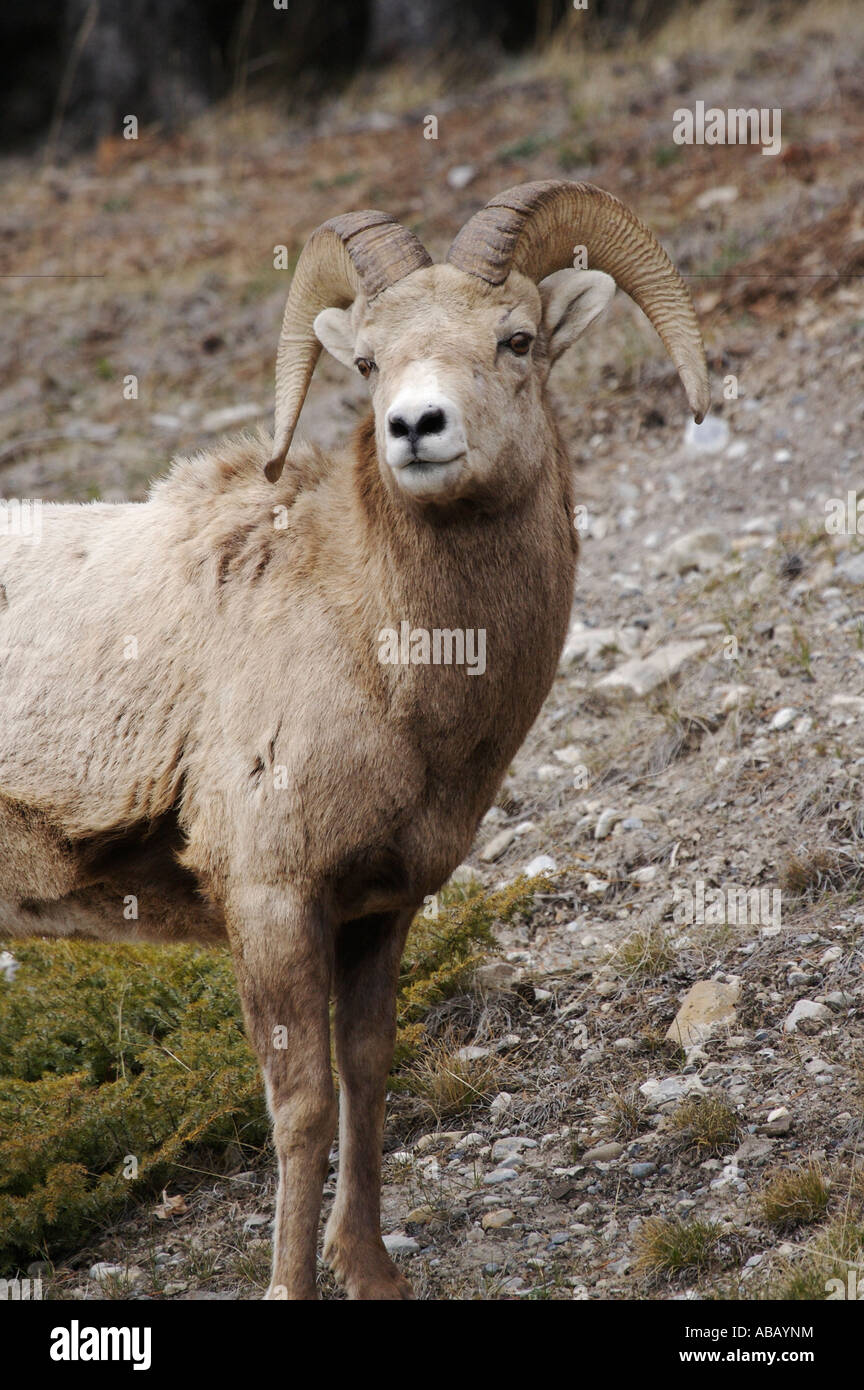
[
  {"x": 163, "y": 162},
  {"x": 80, "y": 65}
]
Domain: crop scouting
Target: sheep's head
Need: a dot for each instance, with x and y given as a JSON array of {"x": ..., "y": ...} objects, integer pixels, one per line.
[
  {"x": 456, "y": 355},
  {"x": 456, "y": 368}
]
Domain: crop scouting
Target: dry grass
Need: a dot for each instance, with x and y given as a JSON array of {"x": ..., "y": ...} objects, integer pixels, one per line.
[
  {"x": 665, "y": 1246},
  {"x": 628, "y": 1113},
  {"x": 811, "y": 874},
  {"x": 833, "y": 1254},
  {"x": 646, "y": 954},
  {"x": 707, "y": 1124},
  {"x": 796, "y": 1198},
  {"x": 449, "y": 1085}
]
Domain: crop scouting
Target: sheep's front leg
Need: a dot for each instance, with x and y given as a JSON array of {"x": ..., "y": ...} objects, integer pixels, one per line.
[
  {"x": 367, "y": 964},
  {"x": 283, "y": 948}
]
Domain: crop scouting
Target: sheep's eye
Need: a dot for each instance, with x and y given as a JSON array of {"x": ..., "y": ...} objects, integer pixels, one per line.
[
  {"x": 520, "y": 343},
  {"x": 364, "y": 365}
]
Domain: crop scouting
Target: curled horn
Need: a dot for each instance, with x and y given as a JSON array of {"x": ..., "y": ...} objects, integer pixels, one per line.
[
  {"x": 360, "y": 250},
  {"x": 536, "y": 227}
]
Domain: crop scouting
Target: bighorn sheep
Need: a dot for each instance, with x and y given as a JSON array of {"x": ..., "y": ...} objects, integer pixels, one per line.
[{"x": 194, "y": 708}]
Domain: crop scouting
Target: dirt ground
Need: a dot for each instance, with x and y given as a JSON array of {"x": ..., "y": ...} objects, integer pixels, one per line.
[{"x": 740, "y": 767}]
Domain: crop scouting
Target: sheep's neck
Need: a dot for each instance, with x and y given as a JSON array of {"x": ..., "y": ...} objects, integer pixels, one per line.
[{"x": 502, "y": 583}]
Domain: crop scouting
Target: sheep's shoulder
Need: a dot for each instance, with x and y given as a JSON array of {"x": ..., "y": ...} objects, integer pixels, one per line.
[{"x": 235, "y": 469}]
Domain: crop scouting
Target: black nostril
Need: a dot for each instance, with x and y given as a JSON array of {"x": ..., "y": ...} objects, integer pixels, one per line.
[
  {"x": 398, "y": 427},
  {"x": 432, "y": 422}
]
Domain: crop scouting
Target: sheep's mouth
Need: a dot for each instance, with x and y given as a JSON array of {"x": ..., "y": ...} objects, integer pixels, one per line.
[
  {"x": 432, "y": 479},
  {"x": 426, "y": 465}
]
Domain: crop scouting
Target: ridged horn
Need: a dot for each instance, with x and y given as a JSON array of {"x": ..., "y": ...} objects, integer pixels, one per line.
[
  {"x": 360, "y": 250},
  {"x": 536, "y": 227}
]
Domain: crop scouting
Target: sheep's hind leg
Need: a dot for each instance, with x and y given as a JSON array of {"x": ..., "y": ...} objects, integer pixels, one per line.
[
  {"x": 367, "y": 964},
  {"x": 283, "y": 950}
]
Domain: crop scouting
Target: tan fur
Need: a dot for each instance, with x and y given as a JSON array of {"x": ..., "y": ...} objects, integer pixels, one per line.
[{"x": 157, "y": 774}]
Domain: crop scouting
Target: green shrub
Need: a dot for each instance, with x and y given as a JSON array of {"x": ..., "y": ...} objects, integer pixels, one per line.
[
  {"x": 112, "y": 1051},
  {"x": 109, "y": 1053}
]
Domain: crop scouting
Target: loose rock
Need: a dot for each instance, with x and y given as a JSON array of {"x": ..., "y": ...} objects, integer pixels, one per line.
[{"x": 707, "y": 1006}]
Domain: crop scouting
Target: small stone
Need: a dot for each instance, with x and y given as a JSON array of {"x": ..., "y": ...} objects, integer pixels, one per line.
[
  {"x": 784, "y": 717},
  {"x": 442, "y": 1138},
  {"x": 570, "y": 755},
  {"x": 671, "y": 1088},
  {"x": 709, "y": 437},
  {"x": 735, "y": 694},
  {"x": 817, "y": 1066},
  {"x": 470, "y": 1143},
  {"x": 640, "y": 676},
  {"x": 779, "y": 1122},
  {"x": 753, "y": 1150},
  {"x": 499, "y": 1175},
  {"x": 606, "y": 822},
  {"x": 9, "y": 966},
  {"x": 497, "y": 1220},
  {"x": 644, "y": 876},
  {"x": 103, "y": 1270},
  {"x": 498, "y": 845},
  {"x": 472, "y": 1054},
  {"x": 163, "y": 421},
  {"x": 603, "y": 1153},
  {"x": 854, "y": 703},
  {"x": 723, "y": 193},
  {"x": 500, "y": 1105},
  {"x": 420, "y": 1216},
  {"x": 588, "y": 643},
  {"x": 231, "y": 415},
  {"x": 595, "y": 886},
  {"x": 461, "y": 175},
  {"x": 464, "y": 874},
  {"x": 510, "y": 1146},
  {"x": 707, "y": 1006},
  {"x": 838, "y": 1000},
  {"x": 542, "y": 864},
  {"x": 806, "y": 1010},
  {"x": 397, "y": 1243},
  {"x": 852, "y": 567},
  {"x": 642, "y": 1170},
  {"x": 698, "y": 550}
]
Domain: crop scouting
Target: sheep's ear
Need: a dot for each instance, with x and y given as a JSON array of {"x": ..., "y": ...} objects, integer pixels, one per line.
[
  {"x": 571, "y": 300},
  {"x": 334, "y": 332}
]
